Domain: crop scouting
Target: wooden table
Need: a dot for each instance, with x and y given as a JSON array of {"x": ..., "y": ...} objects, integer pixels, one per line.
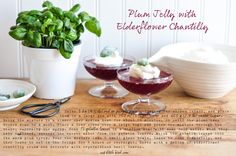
[{"x": 88, "y": 125}]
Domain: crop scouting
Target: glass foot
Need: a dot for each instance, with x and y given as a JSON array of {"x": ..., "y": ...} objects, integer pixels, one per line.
[
  {"x": 110, "y": 91},
  {"x": 141, "y": 107}
]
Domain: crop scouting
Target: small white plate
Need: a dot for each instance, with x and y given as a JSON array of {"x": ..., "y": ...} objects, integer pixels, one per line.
[{"x": 8, "y": 86}]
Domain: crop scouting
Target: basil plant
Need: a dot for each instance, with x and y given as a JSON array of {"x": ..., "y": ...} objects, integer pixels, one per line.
[{"x": 53, "y": 28}]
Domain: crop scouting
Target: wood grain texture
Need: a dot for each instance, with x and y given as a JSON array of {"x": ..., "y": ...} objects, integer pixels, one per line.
[{"x": 174, "y": 98}]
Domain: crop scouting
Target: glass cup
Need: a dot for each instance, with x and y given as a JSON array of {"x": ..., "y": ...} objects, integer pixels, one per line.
[
  {"x": 144, "y": 88},
  {"x": 108, "y": 74}
]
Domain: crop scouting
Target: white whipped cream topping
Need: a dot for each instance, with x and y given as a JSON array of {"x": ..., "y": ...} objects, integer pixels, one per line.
[
  {"x": 113, "y": 60},
  {"x": 206, "y": 55},
  {"x": 144, "y": 72}
]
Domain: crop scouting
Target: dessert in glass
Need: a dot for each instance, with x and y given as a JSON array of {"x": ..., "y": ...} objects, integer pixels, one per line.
[
  {"x": 105, "y": 67},
  {"x": 144, "y": 79}
]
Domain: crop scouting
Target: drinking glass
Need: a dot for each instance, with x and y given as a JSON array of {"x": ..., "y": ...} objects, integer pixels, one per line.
[
  {"x": 144, "y": 105},
  {"x": 108, "y": 74}
]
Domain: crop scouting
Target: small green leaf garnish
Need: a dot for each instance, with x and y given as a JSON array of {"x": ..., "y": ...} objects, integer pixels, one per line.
[
  {"x": 18, "y": 93},
  {"x": 108, "y": 51},
  {"x": 7, "y": 96},
  {"x": 143, "y": 62}
]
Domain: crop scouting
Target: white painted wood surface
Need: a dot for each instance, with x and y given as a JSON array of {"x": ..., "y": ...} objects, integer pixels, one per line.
[{"x": 219, "y": 15}]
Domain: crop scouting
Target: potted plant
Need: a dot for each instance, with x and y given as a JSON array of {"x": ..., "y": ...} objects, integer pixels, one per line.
[{"x": 51, "y": 46}]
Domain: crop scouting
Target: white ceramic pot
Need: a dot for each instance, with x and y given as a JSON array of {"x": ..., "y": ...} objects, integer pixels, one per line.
[{"x": 53, "y": 75}]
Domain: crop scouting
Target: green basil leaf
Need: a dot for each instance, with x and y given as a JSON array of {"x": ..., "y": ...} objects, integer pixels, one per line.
[
  {"x": 23, "y": 13},
  {"x": 26, "y": 43},
  {"x": 72, "y": 35},
  {"x": 80, "y": 28},
  {"x": 13, "y": 27},
  {"x": 37, "y": 25},
  {"x": 67, "y": 22},
  {"x": 18, "y": 33},
  {"x": 37, "y": 40},
  {"x": 47, "y": 4},
  {"x": 30, "y": 36},
  {"x": 51, "y": 28},
  {"x": 45, "y": 25},
  {"x": 57, "y": 11},
  {"x": 62, "y": 35},
  {"x": 31, "y": 19},
  {"x": 56, "y": 44},
  {"x": 75, "y": 8},
  {"x": 35, "y": 13},
  {"x": 84, "y": 16},
  {"x": 59, "y": 24},
  {"x": 71, "y": 16},
  {"x": 26, "y": 19},
  {"x": 68, "y": 46},
  {"x": 93, "y": 26},
  {"x": 34, "y": 38},
  {"x": 48, "y": 14},
  {"x": 63, "y": 52},
  {"x": 48, "y": 22},
  {"x": 43, "y": 28}
]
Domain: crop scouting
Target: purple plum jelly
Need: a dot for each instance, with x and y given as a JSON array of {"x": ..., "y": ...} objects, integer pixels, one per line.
[
  {"x": 142, "y": 86},
  {"x": 105, "y": 72}
]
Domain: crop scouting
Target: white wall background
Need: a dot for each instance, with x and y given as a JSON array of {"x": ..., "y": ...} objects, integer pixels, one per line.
[{"x": 219, "y": 15}]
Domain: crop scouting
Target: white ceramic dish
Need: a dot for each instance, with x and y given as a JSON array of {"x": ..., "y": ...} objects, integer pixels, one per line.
[
  {"x": 202, "y": 80},
  {"x": 8, "y": 86}
]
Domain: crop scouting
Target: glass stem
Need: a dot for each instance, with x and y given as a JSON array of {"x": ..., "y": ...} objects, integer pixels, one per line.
[
  {"x": 144, "y": 99},
  {"x": 108, "y": 83}
]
